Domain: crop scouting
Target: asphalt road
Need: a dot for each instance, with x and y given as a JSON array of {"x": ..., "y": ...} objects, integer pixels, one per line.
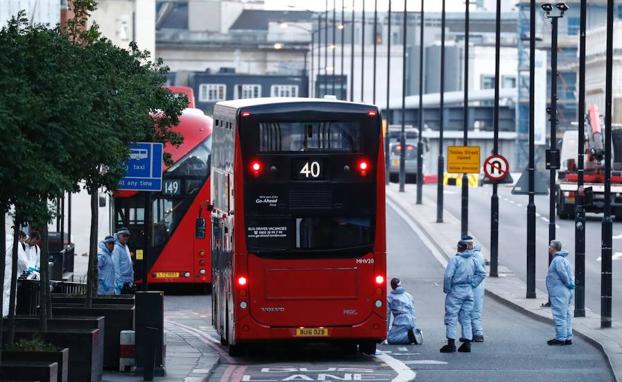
[
  {"x": 513, "y": 237},
  {"x": 515, "y": 347}
]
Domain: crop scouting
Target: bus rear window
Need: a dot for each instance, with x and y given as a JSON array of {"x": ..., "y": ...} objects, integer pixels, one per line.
[{"x": 309, "y": 136}]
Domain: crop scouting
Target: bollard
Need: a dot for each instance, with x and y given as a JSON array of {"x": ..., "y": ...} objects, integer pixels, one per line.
[
  {"x": 149, "y": 355},
  {"x": 149, "y": 321},
  {"x": 127, "y": 351}
]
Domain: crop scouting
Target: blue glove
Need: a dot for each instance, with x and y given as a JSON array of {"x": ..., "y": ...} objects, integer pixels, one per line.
[{"x": 572, "y": 286}]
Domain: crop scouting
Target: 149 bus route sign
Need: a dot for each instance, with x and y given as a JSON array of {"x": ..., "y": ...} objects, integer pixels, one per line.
[{"x": 463, "y": 159}]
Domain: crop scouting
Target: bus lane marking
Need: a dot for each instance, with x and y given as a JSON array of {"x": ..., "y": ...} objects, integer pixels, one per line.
[{"x": 404, "y": 373}]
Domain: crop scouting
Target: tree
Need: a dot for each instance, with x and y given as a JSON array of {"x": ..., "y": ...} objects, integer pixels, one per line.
[{"x": 128, "y": 104}]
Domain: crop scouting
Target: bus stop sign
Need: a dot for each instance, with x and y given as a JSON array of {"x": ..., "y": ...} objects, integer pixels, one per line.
[
  {"x": 144, "y": 168},
  {"x": 496, "y": 168}
]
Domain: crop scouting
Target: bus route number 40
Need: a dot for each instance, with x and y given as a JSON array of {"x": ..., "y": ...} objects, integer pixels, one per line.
[{"x": 311, "y": 170}]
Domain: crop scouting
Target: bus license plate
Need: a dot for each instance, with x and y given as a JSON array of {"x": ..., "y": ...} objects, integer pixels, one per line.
[
  {"x": 166, "y": 275},
  {"x": 311, "y": 332}
]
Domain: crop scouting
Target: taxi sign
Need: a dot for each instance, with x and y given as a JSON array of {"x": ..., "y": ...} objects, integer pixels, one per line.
[
  {"x": 496, "y": 168},
  {"x": 463, "y": 159}
]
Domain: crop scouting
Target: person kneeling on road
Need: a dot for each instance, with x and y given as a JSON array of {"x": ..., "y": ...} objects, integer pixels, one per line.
[
  {"x": 400, "y": 304},
  {"x": 463, "y": 273},
  {"x": 559, "y": 284}
]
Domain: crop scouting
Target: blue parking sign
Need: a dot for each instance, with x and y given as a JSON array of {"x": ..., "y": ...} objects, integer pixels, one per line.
[{"x": 144, "y": 168}]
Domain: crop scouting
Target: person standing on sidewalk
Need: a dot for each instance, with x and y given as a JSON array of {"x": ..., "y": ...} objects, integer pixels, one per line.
[
  {"x": 122, "y": 260},
  {"x": 462, "y": 274},
  {"x": 478, "y": 292},
  {"x": 403, "y": 330},
  {"x": 559, "y": 284}
]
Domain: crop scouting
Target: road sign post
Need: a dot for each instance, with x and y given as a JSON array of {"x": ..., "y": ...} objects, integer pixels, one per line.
[{"x": 144, "y": 173}]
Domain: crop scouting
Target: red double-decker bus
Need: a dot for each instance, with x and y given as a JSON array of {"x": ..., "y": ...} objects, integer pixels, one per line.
[
  {"x": 181, "y": 243},
  {"x": 298, "y": 230}
]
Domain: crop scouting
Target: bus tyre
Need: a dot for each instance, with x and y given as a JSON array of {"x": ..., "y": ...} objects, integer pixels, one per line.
[
  {"x": 223, "y": 341},
  {"x": 236, "y": 350},
  {"x": 367, "y": 347}
]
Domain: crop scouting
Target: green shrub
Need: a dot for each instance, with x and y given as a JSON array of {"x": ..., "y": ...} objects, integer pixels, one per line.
[{"x": 34, "y": 344}]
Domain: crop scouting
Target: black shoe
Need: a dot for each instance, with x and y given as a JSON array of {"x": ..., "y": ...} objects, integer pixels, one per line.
[
  {"x": 411, "y": 337},
  {"x": 555, "y": 342},
  {"x": 546, "y": 304},
  {"x": 462, "y": 339},
  {"x": 450, "y": 347},
  {"x": 568, "y": 342},
  {"x": 478, "y": 338},
  {"x": 465, "y": 347}
]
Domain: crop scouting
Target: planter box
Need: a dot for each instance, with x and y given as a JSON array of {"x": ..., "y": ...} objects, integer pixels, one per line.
[
  {"x": 29, "y": 371},
  {"x": 117, "y": 318},
  {"x": 85, "y": 349},
  {"x": 61, "y": 357}
]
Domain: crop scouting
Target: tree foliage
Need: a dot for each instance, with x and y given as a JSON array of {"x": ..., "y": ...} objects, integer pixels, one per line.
[{"x": 72, "y": 102}]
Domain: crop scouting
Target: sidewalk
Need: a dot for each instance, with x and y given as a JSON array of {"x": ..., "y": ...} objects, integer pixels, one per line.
[
  {"x": 189, "y": 358},
  {"x": 507, "y": 288}
]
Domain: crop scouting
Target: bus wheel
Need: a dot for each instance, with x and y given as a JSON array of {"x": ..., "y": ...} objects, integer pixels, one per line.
[
  {"x": 236, "y": 350},
  {"x": 223, "y": 341},
  {"x": 368, "y": 347},
  {"x": 348, "y": 347}
]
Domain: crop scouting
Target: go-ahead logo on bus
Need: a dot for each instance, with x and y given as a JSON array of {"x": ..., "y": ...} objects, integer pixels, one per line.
[{"x": 463, "y": 159}]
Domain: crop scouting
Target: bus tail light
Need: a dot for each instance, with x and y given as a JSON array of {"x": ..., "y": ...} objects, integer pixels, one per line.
[
  {"x": 245, "y": 114},
  {"x": 380, "y": 280},
  {"x": 363, "y": 166},
  {"x": 256, "y": 167},
  {"x": 242, "y": 281},
  {"x": 372, "y": 113}
]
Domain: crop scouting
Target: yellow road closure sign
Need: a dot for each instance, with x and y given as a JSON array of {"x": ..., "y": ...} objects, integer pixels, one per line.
[{"x": 463, "y": 159}]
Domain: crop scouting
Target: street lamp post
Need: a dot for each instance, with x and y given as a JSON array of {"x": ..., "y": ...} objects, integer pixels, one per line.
[
  {"x": 310, "y": 92},
  {"x": 579, "y": 235},
  {"x": 420, "y": 138},
  {"x": 402, "y": 174},
  {"x": 387, "y": 145},
  {"x": 494, "y": 199},
  {"x": 319, "y": 55},
  {"x": 343, "y": 31},
  {"x": 531, "y": 206},
  {"x": 334, "y": 47},
  {"x": 606, "y": 266},
  {"x": 441, "y": 158},
  {"x": 554, "y": 13},
  {"x": 465, "y": 138},
  {"x": 326, "y": 49},
  {"x": 375, "y": 47},
  {"x": 352, "y": 52},
  {"x": 363, "y": 54}
]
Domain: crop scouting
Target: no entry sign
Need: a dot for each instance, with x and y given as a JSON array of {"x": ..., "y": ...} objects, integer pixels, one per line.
[{"x": 496, "y": 168}]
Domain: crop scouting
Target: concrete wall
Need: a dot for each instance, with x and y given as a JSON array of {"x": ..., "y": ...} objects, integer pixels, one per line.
[
  {"x": 40, "y": 12},
  {"x": 123, "y": 21}
]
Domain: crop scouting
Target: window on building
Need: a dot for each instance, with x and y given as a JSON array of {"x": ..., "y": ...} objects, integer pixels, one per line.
[
  {"x": 573, "y": 26},
  {"x": 243, "y": 91},
  {"x": 488, "y": 82},
  {"x": 212, "y": 92},
  {"x": 508, "y": 82},
  {"x": 284, "y": 91}
]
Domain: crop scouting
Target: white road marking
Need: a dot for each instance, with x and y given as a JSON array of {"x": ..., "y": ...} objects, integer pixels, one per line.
[
  {"x": 519, "y": 205},
  {"x": 402, "y": 348},
  {"x": 538, "y": 214},
  {"x": 425, "y": 362},
  {"x": 545, "y": 219},
  {"x": 404, "y": 373},
  {"x": 617, "y": 237}
]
